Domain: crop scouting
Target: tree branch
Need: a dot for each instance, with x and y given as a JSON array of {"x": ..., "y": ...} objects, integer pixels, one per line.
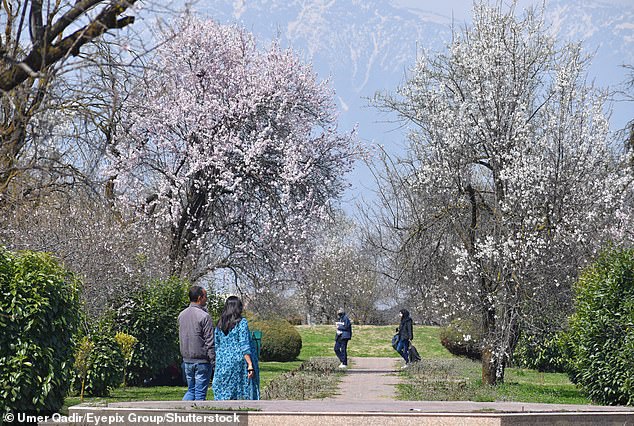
[{"x": 46, "y": 55}]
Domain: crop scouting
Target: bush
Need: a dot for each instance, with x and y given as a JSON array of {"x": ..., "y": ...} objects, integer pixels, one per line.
[
  {"x": 151, "y": 316},
  {"x": 82, "y": 364},
  {"x": 541, "y": 352},
  {"x": 39, "y": 305},
  {"x": 601, "y": 337},
  {"x": 126, "y": 343},
  {"x": 102, "y": 362},
  {"x": 280, "y": 340},
  {"x": 462, "y": 338}
]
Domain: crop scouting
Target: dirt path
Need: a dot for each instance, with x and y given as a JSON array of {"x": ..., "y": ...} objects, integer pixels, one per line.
[{"x": 369, "y": 379}]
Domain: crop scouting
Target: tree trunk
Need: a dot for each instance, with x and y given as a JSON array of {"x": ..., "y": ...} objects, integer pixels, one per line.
[
  {"x": 177, "y": 255},
  {"x": 488, "y": 369},
  {"x": 492, "y": 370}
]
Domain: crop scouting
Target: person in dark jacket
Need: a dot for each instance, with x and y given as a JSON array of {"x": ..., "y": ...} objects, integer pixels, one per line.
[
  {"x": 196, "y": 338},
  {"x": 405, "y": 335},
  {"x": 343, "y": 336}
]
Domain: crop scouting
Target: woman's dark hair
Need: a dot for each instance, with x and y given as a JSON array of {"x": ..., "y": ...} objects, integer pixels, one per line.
[
  {"x": 405, "y": 313},
  {"x": 231, "y": 314}
]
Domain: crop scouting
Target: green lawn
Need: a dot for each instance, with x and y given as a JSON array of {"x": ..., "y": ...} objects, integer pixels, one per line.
[
  {"x": 154, "y": 393},
  {"x": 440, "y": 376},
  {"x": 533, "y": 386},
  {"x": 368, "y": 341},
  {"x": 268, "y": 371}
]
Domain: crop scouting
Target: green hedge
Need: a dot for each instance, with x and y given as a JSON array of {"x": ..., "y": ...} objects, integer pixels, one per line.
[
  {"x": 600, "y": 342},
  {"x": 280, "y": 340},
  {"x": 150, "y": 314},
  {"x": 39, "y": 314}
]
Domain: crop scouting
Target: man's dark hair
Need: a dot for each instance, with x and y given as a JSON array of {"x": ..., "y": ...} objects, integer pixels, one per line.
[{"x": 195, "y": 292}]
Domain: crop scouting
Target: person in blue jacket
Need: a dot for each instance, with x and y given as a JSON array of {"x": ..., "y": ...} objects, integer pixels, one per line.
[{"x": 343, "y": 336}]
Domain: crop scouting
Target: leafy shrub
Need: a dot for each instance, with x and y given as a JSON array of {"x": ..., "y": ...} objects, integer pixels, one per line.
[
  {"x": 280, "y": 340},
  {"x": 126, "y": 343},
  {"x": 102, "y": 362},
  {"x": 541, "y": 352},
  {"x": 462, "y": 338},
  {"x": 39, "y": 305},
  {"x": 600, "y": 342},
  {"x": 151, "y": 315},
  {"x": 82, "y": 363}
]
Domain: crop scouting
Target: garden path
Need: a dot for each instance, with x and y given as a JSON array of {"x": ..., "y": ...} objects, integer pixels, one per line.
[{"x": 369, "y": 379}]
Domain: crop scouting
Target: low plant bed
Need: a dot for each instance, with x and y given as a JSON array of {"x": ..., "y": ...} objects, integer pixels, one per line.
[
  {"x": 460, "y": 380},
  {"x": 315, "y": 378}
]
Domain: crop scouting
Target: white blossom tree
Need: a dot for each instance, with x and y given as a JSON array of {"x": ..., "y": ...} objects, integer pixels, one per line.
[
  {"x": 341, "y": 273},
  {"x": 232, "y": 148},
  {"x": 509, "y": 152}
]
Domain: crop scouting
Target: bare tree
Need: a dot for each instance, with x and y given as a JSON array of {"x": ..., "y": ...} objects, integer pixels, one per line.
[
  {"x": 109, "y": 254},
  {"x": 38, "y": 38},
  {"x": 56, "y": 196}
]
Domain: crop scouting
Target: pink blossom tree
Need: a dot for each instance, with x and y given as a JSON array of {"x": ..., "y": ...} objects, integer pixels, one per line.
[{"x": 232, "y": 149}]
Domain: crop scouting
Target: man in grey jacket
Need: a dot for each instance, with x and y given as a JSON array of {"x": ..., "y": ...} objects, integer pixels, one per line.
[{"x": 196, "y": 336}]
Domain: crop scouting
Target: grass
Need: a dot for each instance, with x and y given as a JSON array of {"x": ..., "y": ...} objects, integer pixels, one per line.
[
  {"x": 131, "y": 393},
  {"x": 368, "y": 341},
  {"x": 440, "y": 377},
  {"x": 315, "y": 378},
  {"x": 268, "y": 372},
  {"x": 456, "y": 379}
]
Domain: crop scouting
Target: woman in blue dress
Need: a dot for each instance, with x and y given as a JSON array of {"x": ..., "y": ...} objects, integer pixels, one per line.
[{"x": 237, "y": 374}]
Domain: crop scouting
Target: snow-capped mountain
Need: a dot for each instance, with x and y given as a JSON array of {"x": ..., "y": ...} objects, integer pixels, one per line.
[{"x": 367, "y": 46}]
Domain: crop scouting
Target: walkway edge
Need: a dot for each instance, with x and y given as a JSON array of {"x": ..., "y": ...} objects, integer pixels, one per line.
[{"x": 153, "y": 410}]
